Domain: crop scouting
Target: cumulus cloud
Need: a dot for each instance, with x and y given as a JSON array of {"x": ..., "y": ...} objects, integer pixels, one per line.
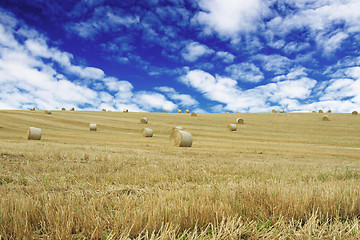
[
  {"x": 195, "y": 50},
  {"x": 274, "y": 63},
  {"x": 150, "y": 101},
  {"x": 184, "y": 100},
  {"x": 226, "y": 57},
  {"x": 245, "y": 72}
]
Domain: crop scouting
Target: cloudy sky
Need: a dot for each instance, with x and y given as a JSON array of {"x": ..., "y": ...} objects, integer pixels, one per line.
[{"x": 201, "y": 55}]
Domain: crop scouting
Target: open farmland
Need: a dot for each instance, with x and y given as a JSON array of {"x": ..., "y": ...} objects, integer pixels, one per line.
[{"x": 279, "y": 176}]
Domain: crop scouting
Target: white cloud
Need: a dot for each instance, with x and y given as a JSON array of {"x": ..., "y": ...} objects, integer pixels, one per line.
[
  {"x": 182, "y": 99},
  {"x": 152, "y": 100},
  {"x": 274, "y": 63},
  {"x": 225, "y": 56},
  {"x": 230, "y": 18},
  {"x": 245, "y": 72},
  {"x": 195, "y": 50}
]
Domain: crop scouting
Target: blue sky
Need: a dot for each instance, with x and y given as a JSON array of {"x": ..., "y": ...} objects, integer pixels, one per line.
[{"x": 201, "y": 55}]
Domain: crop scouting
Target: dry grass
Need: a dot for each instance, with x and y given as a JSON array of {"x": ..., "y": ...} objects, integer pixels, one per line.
[{"x": 280, "y": 176}]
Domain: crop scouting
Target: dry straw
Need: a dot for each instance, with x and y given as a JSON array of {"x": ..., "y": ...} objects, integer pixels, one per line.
[
  {"x": 273, "y": 111},
  {"x": 147, "y": 132},
  {"x": 177, "y": 128},
  {"x": 144, "y": 120},
  {"x": 34, "y": 133},
  {"x": 329, "y": 111},
  {"x": 325, "y": 118},
  {"x": 32, "y": 109},
  {"x": 186, "y": 111},
  {"x": 165, "y": 111},
  {"x": 193, "y": 114},
  {"x": 282, "y": 111},
  {"x": 93, "y": 126},
  {"x": 179, "y": 111},
  {"x": 354, "y": 113},
  {"x": 63, "y": 109},
  {"x": 125, "y": 110},
  {"x": 320, "y": 111},
  {"x": 240, "y": 121},
  {"x": 104, "y": 110},
  {"x": 72, "y": 109},
  {"x": 179, "y": 138},
  {"x": 313, "y": 111},
  {"x": 231, "y": 127},
  {"x": 47, "y": 111}
]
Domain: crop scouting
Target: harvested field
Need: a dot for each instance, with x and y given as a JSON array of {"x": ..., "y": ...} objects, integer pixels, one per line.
[{"x": 281, "y": 176}]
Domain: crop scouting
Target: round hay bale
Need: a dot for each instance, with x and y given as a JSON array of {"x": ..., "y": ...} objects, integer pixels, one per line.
[
  {"x": 193, "y": 114},
  {"x": 32, "y": 109},
  {"x": 104, "y": 110},
  {"x": 147, "y": 132},
  {"x": 179, "y": 111},
  {"x": 226, "y": 112},
  {"x": 47, "y": 111},
  {"x": 354, "y": 113},
  {"x": 282, "y": 111},
  {"x": 273, "y": 111},
  {"x": 326, "y": 118},
  {"x": 144, "y": 120},
  {"x": 34, "y": 133},
  {"x": 165, "y": 111},
  {"x": 72, "y": 109},
  {"x": 93, "y": 126},
  {"x": 186, "y": 111},
  {"x": 232, "y": 127},
  {"x": 313, "y": 111},
  {"x": 329, "y": 111},
  {"x": 63, "y": 109},
  {"x": 125, "y": 110},
  {"x": 320, "y": 111},
  {"x": 177, "y": 128},
  {"x": 240, "y": 121},
  {"x": 180, "y": 139}
]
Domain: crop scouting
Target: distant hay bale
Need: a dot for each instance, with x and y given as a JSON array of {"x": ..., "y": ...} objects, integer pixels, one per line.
[
  {"x": 231, "y": 127},
  {"x": 326, "y": 118},
  {"x": 329, "y": 111},
  {"x": 177, "y": 128},
  {"x": 165, "y": 111},
  {"x": 240, "y": 121},
  {"x": 226, "y": 112},
  {"x": 32, "y": 109},
  {"x": 34, "y": 133},
  {"x": 186, "y": 111},
  {"x": 354, "y": 113},
  {"x": 273, "y": 111},
  {"x": 72, "y": 109},
  {"x": 193, "y": 114},
  {"x": 63, "y": 109},
  {"x": 179, "y": 111},
  {"x": 180, "y": 139},
  {"x": 320, "y": 111},
  {"x": 144, "y": 120},
  {"x": 125, "y": 110},
  {"x": 104, "y": 110},
  {"x": 147, "y": 132},
  {"x": 47, "y": 111},
  {"x": 313, "y": 111},
  {"x": 93, "y": 126},
  {"x": 282, "y": 111},
  {"x": 109, "y": 110}
]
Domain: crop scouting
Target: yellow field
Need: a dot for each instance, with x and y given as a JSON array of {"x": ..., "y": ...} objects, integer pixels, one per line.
[{"x": 279, "y": 176}]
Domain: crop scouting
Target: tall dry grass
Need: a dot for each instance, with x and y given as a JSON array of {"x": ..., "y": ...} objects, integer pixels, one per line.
[{"x": 267, "y": 180}]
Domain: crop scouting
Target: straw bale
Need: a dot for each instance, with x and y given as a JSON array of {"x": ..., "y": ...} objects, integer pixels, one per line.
[
  {"x": 125, "y": 110},
  {"x": 72, "y": 109},
  {"x": 104, "y": 110},
  {"x": 47, "y": 111},
  {"x": 93, "y": 126},
  {"x": 193, "y": 114},
  {"x": 180, "y": 139},
  {"x": 63, "y": 109},
  {"x": 34, "y": 133},
  {"x": 273, "y": 111},
  {"x": 313, "y": 111},
  {"x": 144, "y": 120},
  {"x": 240, "y": 121},
  {"x": 186, "y": 111},
  {"x": 179, "y": 111},
  {"x": 177, "y": 128},
  {"x": 232, "y": 127},
  {"x": 329, "y": 111},
  {"x": 147, "y": 132},
  {"x": 282, "y": 111},
  {"x": 320, "y": 111},
  {"x": 165, "y": 111},
  {"x": 32, "y": 109},
  {"x": 326, "y": 118},
  {"x": 354, "y": 113}
]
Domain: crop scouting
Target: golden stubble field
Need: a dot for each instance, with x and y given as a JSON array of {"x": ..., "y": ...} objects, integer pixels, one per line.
[{"x": 279, "y": 176}]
